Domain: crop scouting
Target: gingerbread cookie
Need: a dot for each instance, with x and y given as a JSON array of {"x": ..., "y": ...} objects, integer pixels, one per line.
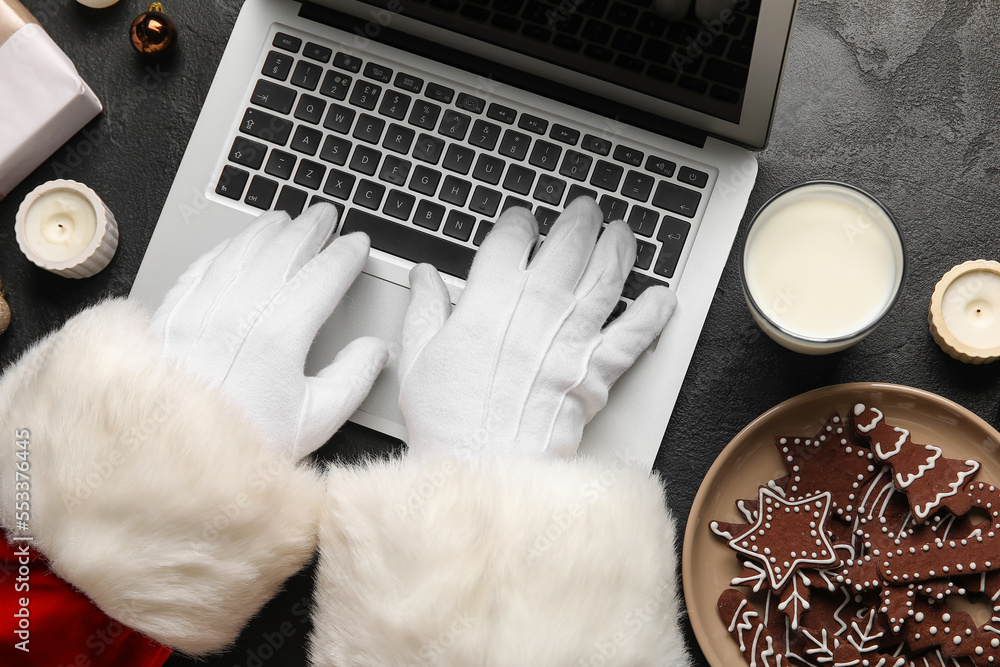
[
  {"x": 930, "y": 480},
  {"x": 830, "y": 461}
]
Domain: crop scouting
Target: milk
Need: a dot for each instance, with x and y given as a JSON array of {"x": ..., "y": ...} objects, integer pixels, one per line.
[{"x": 822, "y": 264}]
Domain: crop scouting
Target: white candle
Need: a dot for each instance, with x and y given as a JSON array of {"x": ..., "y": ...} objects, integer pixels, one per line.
[
  {"x": 97, "y": 4},
  {"x": 64, "y": 227},
  {"x": 822, "y": 264},
  {"x": 965, "y": 312}
]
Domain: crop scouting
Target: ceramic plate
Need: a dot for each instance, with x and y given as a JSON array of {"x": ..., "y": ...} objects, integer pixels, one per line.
[{"x": 751, "y": 459}]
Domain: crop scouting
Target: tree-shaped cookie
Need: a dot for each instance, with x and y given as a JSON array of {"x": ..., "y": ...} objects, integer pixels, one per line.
[{"x": 930, "y": 480}]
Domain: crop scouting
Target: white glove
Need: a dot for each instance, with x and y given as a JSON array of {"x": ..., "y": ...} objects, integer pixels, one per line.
[
  {"x": 523, "y": 363},
  {"x": 244, "y": 315}
]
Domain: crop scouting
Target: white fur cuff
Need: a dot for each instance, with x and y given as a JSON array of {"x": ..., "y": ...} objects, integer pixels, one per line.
[
  {"x": 542, "y": 563},
  {"x": 149, "y": 492}
]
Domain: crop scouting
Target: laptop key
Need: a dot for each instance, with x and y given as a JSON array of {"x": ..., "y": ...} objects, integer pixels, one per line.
[
  {"x": 347, "y": 62},
  {"x": 306, "y": 75},
  {"x": 424, "y": 180},
  {"x": 317, "y": 52},
  {"x": 488, "y": 169},
  {"x": 519, "y": 179},
  {"x": 511, "y": 202},
  {"x": 261, "y": 192},
  {"x": 455, "y": 191},
  {"x": 394, "y": 105},
  {"x": 545, "y": 217},
  {"x": 596, "y": 144},
  {"x": 659, "y": 165},
  {"x": 637, "y": 283},
  {"x": 369, "y": 128},
  {"x": 231, "y": 182},
  {"x": 263, "y": 125},
  {"x": 533, "y": 123},
  {"x": 485, "y": 201},
  {"x": 607, "y": 175},
  {"x": 411, "y": 244},
  {"x": 398, "y": 138},
  {"x": 306, "y": 140},
  {"x": 643, "y": 221},
  {"x": 273, "y": 96},
  {"x": 454, "y": 124},
  {"x": 291, "y": 201},
  {"x": 394, "y": 170},
  {"x": 459, "y": 225},
  {"x": 339, "y": 118},
  {"x": 336, "y": 85},
  {"x": 485, "y": 227},
  {"x": 613, "y": 208},
  {"x": 286, "y": 42},
  {"x": 458, "y": 158},
  {"x": 424, "y": 114},
  {"x": 310, "y": 174},
  {"x": 439, "y": 93},
  {"x": 576, "y": 191},
  {"x": 501, "y": 113},
  {"x": 399, "y": 204},
  {"x": 637, "y": 185},
  {"x": 566, "y": 135},
  {"x": 428, "y": 148},
  {"x": 632, "y": 156},
  {"x": 672, "y": 235},
  {"x": 545, "y": 155},
  {"x": 310, "y": 109},
  {"x": 429, "y": 215},
  {"x": 515, "y": 144},
  {"x": 644, "y": 252},
  {"x": 470, "y": 103},
  {"x": 408, "y": 82},
  {"x": 247, "y": 153},
  {"x": 676, "y": 199},
  {"x": 365, "y": 94},
  {"x": 369, "y": 194},
  {"x": 277, "y": 65},
  {"x": 576, "y": 165},
  {"x": 335, "y": 150},
  {"x": 339, "y": 184},
  {"x": 549, "y": 189},
  {"x": 365, "y": 160},
  {"x": 484, "y": 134},
  {"x": 280, "y": 164},
  {"x": 378, "y": 72},
  {"x": 698, "y": 179},
  {"x": 616, "y": 312}
]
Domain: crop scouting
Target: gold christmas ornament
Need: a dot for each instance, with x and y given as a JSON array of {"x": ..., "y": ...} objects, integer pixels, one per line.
[{"x": 153, "y": 33}]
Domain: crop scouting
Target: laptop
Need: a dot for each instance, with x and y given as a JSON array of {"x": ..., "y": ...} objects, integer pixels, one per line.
[{"x": 422, "y": 120}]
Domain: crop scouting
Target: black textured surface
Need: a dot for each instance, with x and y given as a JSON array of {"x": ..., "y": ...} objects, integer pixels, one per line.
[{"x": 897, "y": 97}]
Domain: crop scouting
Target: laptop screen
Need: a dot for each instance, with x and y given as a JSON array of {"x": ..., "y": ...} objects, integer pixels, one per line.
[
  {"x": 698, "y": 64},
  {"x": 717, "y": 73}
]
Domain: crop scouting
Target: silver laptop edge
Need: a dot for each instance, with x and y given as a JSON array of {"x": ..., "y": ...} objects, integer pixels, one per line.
[{"x": 195, "y": 219}]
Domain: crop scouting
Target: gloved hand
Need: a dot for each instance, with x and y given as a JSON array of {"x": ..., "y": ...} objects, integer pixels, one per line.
[
  {"x": 523, "y": 363},
  {"x": 244, "y": 315}
]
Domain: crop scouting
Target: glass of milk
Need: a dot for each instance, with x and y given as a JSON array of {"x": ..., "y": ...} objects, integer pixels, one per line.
[{"x": 823, "y": 263}]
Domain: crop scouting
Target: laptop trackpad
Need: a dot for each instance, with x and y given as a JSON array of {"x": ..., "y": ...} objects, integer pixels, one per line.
[{"x": 372, "y": 307}]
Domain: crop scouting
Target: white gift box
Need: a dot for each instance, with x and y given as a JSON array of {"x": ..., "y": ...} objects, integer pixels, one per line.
[{"x": 43, "y": 100}]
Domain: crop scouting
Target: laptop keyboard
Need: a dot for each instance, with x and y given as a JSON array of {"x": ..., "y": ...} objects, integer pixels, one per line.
[{"x": 425, "y": 167}]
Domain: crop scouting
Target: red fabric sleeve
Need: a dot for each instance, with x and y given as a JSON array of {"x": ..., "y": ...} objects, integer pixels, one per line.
[{"x": 58, "y": 625}]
